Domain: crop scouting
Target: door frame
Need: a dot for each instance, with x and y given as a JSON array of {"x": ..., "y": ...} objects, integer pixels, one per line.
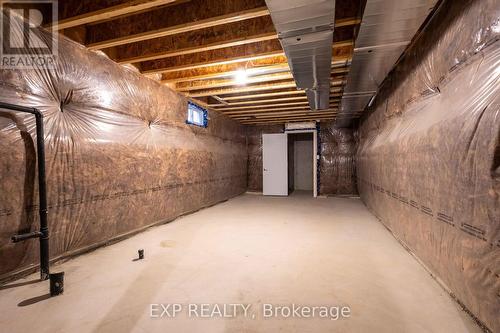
[{"x": 315, "y": 156}]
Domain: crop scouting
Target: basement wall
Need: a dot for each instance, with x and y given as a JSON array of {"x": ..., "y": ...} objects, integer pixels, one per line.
[
  {"x": 119, "y": 156},
  {"x": 429, "y": 155},
  {"x": 254, "y": 149},
  {"x": 337, "y": 167}
]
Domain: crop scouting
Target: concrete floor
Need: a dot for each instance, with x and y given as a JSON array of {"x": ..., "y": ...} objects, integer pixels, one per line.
[{"x": 250, "y": 250}]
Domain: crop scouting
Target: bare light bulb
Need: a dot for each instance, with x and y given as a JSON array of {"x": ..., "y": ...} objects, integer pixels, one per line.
[{"x": 241, "y": 76}]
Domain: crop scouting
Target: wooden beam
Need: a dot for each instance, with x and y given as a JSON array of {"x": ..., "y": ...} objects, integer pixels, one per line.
[
  {"x": 279, "y": 120},
  {"x": 260, "y": 87},
  {"x": 256, "y": 107},
  {"x": 193, "y": 75},
  {"x": 128, "y": 7},
  {"x": 242, "y": 53},
  {"x": 233, "y": 34},
  {"x": 189, "y": 16},
  {"x": 261, "y": 66},
  {"x": 274, "y": 109},
  {"x": 226, "y": 105},
  {"x": 228, "y": 91},
  {"x": 347, "y": 22},
  {"x": 221, "y": 36},
  {"x": 208, "y": 84},
  {"x": 186, "y": 64},
  {"x": 199, "y": 85},
  {"x": 289, "y": 119},
  {"x": 279, "y": 93},
  {"x": 284, "y": 115},
  {"x": 261, "y": 106}
]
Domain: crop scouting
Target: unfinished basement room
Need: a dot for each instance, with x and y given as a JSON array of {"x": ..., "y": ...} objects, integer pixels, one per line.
[{"x": 250, "y": 166}]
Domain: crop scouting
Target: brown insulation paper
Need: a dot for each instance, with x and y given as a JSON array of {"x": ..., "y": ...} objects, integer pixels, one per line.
[
  {"x": 119, "y": 155},
  {"x": 429, "y": 154},
  {"x": 254, "y": 147},
  {"x": 337, "y": 166}
]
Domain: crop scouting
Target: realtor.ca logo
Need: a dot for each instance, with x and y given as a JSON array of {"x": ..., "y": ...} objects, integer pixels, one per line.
[{"x": 28, "y": 39}]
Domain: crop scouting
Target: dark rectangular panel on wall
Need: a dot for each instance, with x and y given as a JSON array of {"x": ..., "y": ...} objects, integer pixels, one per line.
[
  {"x": 120, "y": 156},
  {"x": 427, "y": 161}
]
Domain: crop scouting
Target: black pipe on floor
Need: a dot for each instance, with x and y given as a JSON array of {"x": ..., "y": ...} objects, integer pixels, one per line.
[{"x": 43, "y": 234}]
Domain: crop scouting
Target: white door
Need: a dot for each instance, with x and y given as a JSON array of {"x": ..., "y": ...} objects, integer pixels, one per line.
[{"x": 275, "y": 164}]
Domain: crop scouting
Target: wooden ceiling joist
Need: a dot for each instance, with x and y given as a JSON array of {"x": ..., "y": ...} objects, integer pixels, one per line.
[
  {"x": 197, "y": 47},
  {"x": 295, "y": 115},
  {"x": 274, "y": 109},
  {"x": 226, "y": 105},
  {"x": 199, "y": 85},
  {"x": 234, "y": 34},
  {"x": 284, "y": 119},
  {"x": 281, "y": 120},
  {"x": 186, "y": 65},
  {"x": 259, "y": 67},
  {"x": 273, "y": 100},
  {"x": 208, "y": 84},
  {"x": 221, "y": 36},
  {"x": 242, "y": 53},
  {"x": 185, "y": 17},
  {"x": 257, "y": 107},
  {"x": 105, "y": 13},
  {"x": 271, "y": 94},
  {"x": 259, "y": 87}
]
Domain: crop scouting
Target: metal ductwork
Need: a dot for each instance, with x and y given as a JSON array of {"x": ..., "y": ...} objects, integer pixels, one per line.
[
  {"x": 305, "y": 30},
  {"x": 387, "y": 28}
]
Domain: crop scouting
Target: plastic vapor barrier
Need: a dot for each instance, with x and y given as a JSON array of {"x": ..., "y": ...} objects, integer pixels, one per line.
[
  {"x": 337, "y": 163},
  {"x": 429, "y": 154},
  {"x": 119, "y": 155}
]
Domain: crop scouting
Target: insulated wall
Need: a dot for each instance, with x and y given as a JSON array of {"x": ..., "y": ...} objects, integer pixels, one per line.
[
  {"x": 119, "y": 155},
  {"x": 429, "y": 155},
  {"x": 337, "y": 167},
  {"x": 254, "y": 147}
]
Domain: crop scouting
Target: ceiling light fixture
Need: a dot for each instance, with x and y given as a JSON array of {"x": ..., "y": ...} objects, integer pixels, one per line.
[{"x": 241, "y": 77}]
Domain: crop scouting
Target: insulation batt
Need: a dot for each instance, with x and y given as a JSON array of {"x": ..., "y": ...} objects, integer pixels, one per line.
[
  {"x": 337, "y": 167},
  {"x": 119, "y": 155},
  {"x": 428, "y": 160}
]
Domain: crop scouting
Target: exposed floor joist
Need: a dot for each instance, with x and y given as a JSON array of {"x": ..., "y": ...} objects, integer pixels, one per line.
[
  {"x": 264, "y": 66},
  {"x": 207, "y": 84},
  {"x": 241, "y": 53},
  {"x": 181, "y": 20},
  {"x": 197, "y": 47},
  {"x": 263, "y": 87},
  {"x": 276, "y": 109},
  {"x": 222, "y": 36},
  {"x": 106, "y": 13}
]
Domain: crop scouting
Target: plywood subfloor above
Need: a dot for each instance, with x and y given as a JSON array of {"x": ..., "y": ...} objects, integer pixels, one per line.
[{"x": 205, "y": 45}]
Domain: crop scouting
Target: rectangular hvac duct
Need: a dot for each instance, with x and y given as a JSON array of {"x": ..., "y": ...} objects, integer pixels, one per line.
[{"x": 305, "y": 30}]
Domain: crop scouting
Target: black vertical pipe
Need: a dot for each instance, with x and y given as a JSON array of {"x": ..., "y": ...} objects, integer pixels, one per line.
[
  {"x": 42, "y": 190},
  {"x": 42, "y": 193}
]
